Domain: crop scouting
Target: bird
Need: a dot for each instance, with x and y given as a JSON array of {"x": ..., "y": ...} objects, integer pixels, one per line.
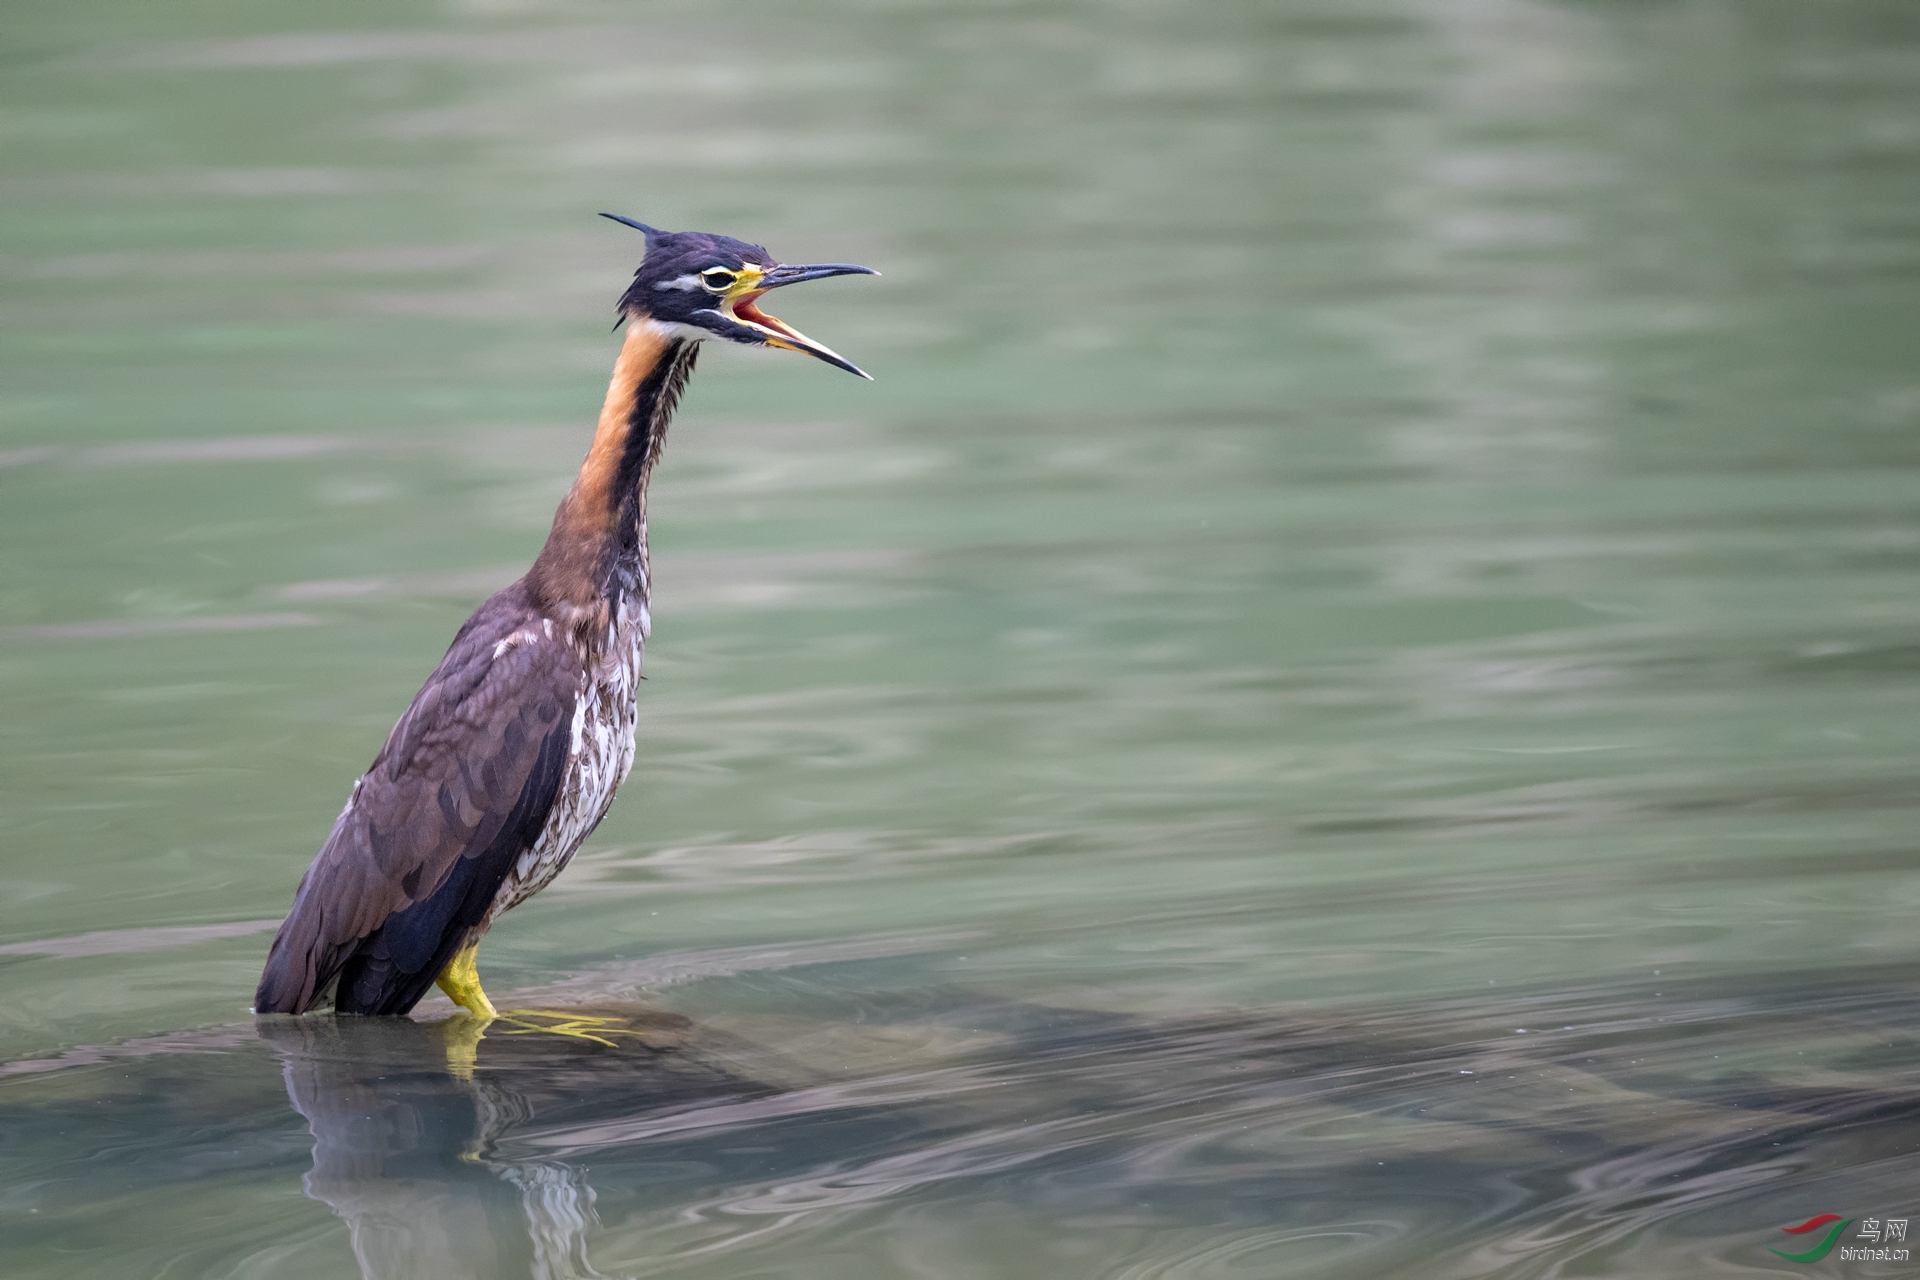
[{"x": 510, "y": 754}]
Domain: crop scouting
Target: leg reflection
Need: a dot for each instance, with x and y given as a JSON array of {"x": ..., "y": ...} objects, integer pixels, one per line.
[{"x": 403, "y": 1152}]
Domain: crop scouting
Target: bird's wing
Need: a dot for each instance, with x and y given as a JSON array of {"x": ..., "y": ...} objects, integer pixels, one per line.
[{"x": 462, "y": 787}]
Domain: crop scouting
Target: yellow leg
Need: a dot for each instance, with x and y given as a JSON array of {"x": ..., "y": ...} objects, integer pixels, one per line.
[{"x": 461, "y": 981}]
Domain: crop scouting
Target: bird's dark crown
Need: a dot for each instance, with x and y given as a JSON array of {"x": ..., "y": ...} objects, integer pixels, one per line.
[{"x": 670, "y": 284}]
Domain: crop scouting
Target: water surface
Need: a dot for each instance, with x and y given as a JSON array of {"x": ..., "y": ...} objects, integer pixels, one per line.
[{"x": 1343, "y": 706}]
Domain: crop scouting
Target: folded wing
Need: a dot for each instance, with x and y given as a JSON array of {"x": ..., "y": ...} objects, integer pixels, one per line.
[{"x": 462, "y": 788}]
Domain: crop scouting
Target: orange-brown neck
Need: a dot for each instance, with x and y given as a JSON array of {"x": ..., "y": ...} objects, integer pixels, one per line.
[{"x": 598, "y": 546}]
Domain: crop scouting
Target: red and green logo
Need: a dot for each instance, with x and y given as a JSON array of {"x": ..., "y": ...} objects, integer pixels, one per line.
[{"x": 1827, "y": 1242}]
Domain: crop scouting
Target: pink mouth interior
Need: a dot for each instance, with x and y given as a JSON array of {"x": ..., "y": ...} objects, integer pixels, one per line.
[{"x": 745, "y": 310}]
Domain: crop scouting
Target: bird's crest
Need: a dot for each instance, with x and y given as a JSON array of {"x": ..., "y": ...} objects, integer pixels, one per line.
[{"x": 652, "y": 233}]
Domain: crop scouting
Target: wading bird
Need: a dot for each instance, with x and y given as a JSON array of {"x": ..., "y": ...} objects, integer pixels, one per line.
[{"x": 511, "y": 753}]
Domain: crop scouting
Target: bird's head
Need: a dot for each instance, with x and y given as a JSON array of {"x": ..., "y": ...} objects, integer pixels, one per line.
[{"x": 706, "y": 286}]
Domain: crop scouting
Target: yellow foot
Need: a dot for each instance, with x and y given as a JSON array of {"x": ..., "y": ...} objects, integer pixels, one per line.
[{"x": 578, "y": 1025}]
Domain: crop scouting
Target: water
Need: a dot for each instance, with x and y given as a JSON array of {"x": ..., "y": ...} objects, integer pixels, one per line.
[{"x": 1344, "y": 705}]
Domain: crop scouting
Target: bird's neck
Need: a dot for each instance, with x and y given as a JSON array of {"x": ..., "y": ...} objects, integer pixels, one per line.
[{"x": 595, "y": 560}]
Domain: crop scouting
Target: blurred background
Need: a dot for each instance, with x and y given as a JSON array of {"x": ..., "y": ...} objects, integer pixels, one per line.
[{"x": 1345, "y": 704}]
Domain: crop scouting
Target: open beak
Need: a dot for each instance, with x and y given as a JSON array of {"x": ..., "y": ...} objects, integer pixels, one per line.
[{"x": 741, "y": 306}]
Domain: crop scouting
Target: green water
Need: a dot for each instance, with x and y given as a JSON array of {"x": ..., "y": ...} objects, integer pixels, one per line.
[{"x": 1344, "y": 706}]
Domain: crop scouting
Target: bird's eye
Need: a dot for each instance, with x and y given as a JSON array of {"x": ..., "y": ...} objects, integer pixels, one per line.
[{"x": 717, "y": 279}]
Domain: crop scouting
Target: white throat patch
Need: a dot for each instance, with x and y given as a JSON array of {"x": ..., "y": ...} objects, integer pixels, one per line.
[{"x": 676, "y": 329}]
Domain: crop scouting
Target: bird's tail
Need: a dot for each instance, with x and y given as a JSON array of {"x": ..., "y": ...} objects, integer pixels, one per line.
[{"x": 300, "y": 966}]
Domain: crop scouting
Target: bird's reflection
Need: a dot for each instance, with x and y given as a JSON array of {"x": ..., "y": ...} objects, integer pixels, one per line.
[{"x": 406, "y": 1149}]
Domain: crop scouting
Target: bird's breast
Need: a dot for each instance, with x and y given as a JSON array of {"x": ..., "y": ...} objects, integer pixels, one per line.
[{"x": 599, "y": 757}]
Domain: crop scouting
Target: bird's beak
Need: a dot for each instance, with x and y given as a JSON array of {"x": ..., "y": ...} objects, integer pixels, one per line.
[{"x": 740, "y": 305}]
